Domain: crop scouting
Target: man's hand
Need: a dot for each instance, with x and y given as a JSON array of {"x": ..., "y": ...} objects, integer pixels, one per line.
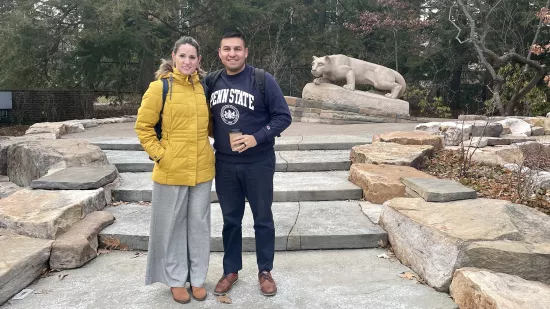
[{"x": 243, "y": 142}]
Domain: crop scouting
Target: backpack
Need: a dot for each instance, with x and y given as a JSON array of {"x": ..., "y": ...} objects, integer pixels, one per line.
[{"x": 212, "y": 77}]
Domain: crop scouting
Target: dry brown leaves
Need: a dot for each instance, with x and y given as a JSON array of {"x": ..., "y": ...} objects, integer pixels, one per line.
[
  {"x": 489, "y": 181},
  {"x": 224, "y": 299},
  {"x": 16, "y": 130},
  {"x": 411, "y": 276}
]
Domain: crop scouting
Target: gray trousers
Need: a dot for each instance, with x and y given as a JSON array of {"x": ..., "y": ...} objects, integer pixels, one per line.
[{"x": 179, "y": 238}]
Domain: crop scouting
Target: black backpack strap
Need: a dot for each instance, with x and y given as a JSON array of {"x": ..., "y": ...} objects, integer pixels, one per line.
[
  {"x": 158, "y": 126},
  {"x": 259, "y": 81},
  {"x": 210, "y": 81}
]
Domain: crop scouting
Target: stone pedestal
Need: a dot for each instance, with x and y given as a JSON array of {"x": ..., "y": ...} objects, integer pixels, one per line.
[{"x": 367, "y": 102}]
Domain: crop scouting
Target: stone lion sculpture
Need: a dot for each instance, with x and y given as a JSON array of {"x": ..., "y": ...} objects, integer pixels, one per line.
[{"x": 336, "y": 68}]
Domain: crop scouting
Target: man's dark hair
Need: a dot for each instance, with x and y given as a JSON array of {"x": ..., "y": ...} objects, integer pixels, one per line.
[{"x": 234, "y": 33}]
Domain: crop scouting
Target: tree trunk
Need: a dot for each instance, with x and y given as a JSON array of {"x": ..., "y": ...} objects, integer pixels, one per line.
[
  {"x": 322, "y": 21},
  {"x": 455, "y": 88}
]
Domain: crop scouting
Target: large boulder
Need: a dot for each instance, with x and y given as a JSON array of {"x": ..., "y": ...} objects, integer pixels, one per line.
[
  {"x": 382, "y": 182},
  {"x": 435, "y": 239},
  {"x": 4, "y": 143},
  {"x": 33, "y": 159},
  {"x": 485, "y": 128},
  {"x": 515, "y": 126},
  {"x": 391, "y": 153},
  {"x": 57, "y": 128},
  {"x": 22, "y": 260},
  {"x": 474, "y": 288},
  {"x": 542, "y": 122},
  {"x": 411, "y": 138},
  {"x": 367, "y": 101},
  {"x": 79, "y": 245},
  {"x": 47, "y": 214},
  {"x": 497, "y": 155},
  {"x": 453, "y": 133}
]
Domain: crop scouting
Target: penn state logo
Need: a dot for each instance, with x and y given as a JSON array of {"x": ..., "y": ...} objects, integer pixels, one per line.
[{"x": 230, "y": 114}]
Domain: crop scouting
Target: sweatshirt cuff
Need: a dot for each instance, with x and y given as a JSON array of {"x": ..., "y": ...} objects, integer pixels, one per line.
[{"x": 260, "y": 136}]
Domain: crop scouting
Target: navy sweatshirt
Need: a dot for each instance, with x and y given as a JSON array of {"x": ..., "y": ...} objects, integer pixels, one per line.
[{"x": 237, "y": 104}]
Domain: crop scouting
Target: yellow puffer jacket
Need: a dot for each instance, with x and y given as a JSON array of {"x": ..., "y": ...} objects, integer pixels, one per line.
[{"x": 183, "y": 155}]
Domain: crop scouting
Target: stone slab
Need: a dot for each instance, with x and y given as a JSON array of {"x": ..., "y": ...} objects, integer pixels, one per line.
[
  {"x": 439, "y": 190},
  {"x": 77, "y": 178},
  {"x": 477, "y": 288},
  {"x": 56, "y": 128},
  {"x": 372, "y": 211},
  {"x": 348, "y": 278},
  {"x": 319, "y": 228},
  {"x": 391, "y": 154},
  {"x": 47, "y": 214},
  {"x": 358, "y": 99},
  {"x": 288, "y": 187},
  {"x": 80, "y": 243},
  {"x": 22, "y": 260},
  {"x": 435, "y": 239},
  {"x": 508, "y": 140},
  {"x": 334, "y": 225},
  {"x": 382, "y": 182},
  {"x": 411, "y": 138}
]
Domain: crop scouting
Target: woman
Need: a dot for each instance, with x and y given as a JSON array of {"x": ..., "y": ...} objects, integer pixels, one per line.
[{"x": 179, "y": 239}]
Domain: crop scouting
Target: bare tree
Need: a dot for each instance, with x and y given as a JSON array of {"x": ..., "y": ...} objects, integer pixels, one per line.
[{"x": 491, "y": 60}]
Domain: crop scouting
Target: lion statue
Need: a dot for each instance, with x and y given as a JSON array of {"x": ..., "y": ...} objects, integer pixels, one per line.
[{"x": 334, "y": 68}]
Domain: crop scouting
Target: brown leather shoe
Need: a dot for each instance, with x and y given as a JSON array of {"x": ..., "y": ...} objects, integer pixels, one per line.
[
  {"x": 225, "y": 284},
  {"x": 198, "y": 293},
  {"x": 267, "y": 284},
  {"x": 180, "y": 295}
]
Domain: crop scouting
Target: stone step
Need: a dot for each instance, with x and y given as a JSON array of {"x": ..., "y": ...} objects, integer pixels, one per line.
[
  {"x": 298, "y": 226},
  {"x": 309, "y": 142},
  {"x": 22, "y": 260},
  {"x": 287, "y": 161},
  {"x": 288, "y": 187}
]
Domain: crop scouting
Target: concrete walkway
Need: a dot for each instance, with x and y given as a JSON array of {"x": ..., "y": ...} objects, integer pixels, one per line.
[{"x": 351, "y": 279}]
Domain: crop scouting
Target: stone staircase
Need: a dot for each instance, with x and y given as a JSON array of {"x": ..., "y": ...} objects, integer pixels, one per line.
[{"x": 315, "y": 206}]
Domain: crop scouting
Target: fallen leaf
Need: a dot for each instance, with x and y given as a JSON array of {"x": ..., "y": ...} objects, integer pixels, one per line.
[
  {"x": 62, "y": 276},
  {"x": 224, "y": 299}
]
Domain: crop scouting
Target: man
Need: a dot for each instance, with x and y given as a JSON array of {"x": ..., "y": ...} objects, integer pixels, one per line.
[{"x": 245, "y": 167}]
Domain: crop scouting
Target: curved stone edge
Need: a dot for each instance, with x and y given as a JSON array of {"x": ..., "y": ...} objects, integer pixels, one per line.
[{"x": 58, "y": 129}]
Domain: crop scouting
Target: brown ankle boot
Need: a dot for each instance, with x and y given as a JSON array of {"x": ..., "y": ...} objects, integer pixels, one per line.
[
  {"x": 225, "y": 284},
  {"x": 198, "y": 293},
  {"x": 267, "y": 284},
  {"x": 180, "y": 295}
]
